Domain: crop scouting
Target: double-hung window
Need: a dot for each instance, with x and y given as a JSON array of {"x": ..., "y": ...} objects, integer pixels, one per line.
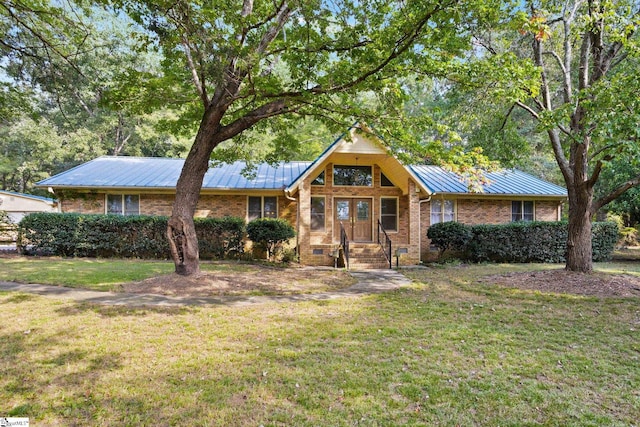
[
  {"x": 389, "y": 213},
  {"x": 442, "y": 211},
  {"x": 522, "y": 211},
  {"x": 262, "y": 207},
  {"x": 123, "y": 204},
  {"x": 317, "y": 214}
]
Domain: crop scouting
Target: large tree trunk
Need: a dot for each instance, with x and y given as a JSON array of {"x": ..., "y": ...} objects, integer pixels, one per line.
[
  {"x": 181, "y": 232},
  {"x": 579, "y": 250},
  {"x": 580, "y": 194}
]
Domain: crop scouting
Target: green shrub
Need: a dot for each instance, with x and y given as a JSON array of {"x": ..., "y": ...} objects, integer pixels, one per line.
[
  {"x": 534, "y": 242},
  {"x": 220, "y": 237},
  {"x": 142, "y": 236},
  {"x": 519, "y": 242},
  {"x": 449, "y": 236},
  {"x": 604, "y": 238},
  {"x": 271, "y": 233}
]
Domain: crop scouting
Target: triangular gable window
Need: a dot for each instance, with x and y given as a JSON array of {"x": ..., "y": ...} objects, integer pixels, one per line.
[
  {"x": 319, "y": 179},
  {"x": 384, "y": 181}
]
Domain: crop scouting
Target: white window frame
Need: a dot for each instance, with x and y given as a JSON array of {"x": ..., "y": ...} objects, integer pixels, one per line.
[
  {"x": 397, "y": 215},
  {"x": 442, "y": 212},
  {"x": 261, "y": 207},
  {"x": 122, "y": 197}
]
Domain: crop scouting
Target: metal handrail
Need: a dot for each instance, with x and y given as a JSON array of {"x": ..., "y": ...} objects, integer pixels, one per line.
[
  {"x": 344, "y": 243},
  {"x": 386, "y": 245}
]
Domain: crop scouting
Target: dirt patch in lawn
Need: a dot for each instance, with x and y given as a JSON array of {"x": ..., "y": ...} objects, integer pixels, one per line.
[
  {"x": 567, "y": 282},
  {"x": 248, "y": 280}
]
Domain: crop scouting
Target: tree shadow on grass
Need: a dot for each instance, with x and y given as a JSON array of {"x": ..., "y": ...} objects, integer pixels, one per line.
[
  {"x": 29, "y": 369},
  {"x": 121, "y": 311},
  {"x": 18, "y": 298}
]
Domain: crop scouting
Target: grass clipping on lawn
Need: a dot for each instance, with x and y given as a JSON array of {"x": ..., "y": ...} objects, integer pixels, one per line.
[{"x": 250, "y": 280}]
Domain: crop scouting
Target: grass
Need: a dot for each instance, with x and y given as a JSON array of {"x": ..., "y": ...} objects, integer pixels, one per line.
[
  {"x": 445, "y": 351},
  {"x": 89, "y": 273}
]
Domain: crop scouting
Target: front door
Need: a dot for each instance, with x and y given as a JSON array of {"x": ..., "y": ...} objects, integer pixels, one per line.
[{"x": 355, "y": 216}]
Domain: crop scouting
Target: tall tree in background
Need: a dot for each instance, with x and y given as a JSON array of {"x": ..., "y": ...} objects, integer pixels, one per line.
[
  {"x": 58, "y": 64},
  {"x": 585, "y": 57},
  {"x": 255, "y": 60}
]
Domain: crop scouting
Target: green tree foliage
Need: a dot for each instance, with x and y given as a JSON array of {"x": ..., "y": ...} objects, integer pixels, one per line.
[
  {"x": 271, "y": 233},
  {"x": 627, "y": 206},
  {"x": 58, "y": 63},
  {"x": 571, "y": 66},
  {"x": 241, "y": 65}
]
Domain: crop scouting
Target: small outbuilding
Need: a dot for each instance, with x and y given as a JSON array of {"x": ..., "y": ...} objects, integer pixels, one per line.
[{"x": 17, "y": 205}]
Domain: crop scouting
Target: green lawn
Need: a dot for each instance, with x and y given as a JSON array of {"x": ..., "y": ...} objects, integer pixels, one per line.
[
  {"x": 445, "y": 351},
  {"x": 96, "y": 274}
]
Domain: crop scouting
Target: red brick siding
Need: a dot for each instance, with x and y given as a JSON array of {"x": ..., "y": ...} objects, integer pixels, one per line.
[
  {"x": 405, "y": 236},
  {"x": 479, "y": 211}
]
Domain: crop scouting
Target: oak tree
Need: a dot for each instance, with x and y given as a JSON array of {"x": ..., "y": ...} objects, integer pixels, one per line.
[
  {"x": 242, "y": 64},
  {"x": 571, "y": 66}
]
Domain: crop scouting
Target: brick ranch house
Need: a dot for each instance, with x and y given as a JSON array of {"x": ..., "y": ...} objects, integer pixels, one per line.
[{"x": 356, "y": 186}]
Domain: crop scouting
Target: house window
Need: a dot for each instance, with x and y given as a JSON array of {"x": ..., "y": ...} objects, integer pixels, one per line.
[
  {"x": 522, "y": 211},
  {"x": 317, "y": 214},
  {"x": 389, "y": 213},
  {"x": 319, "y": 179},
  {"x": 384, "y": 181},
  {"x": 352, "y": 175},
  {"x": 442, "y": 211},
  {"x": 262, "y": 207},
  {"x": 123, "y": 204}
]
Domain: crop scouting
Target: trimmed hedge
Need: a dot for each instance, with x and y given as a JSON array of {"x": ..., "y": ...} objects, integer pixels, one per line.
[
  {"x": 519, "y": 242},
  {"x": 80, "y": 235},
  {"x": 528, "y": 241}
]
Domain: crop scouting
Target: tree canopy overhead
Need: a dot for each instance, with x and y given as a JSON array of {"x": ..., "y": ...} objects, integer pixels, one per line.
[{"x": 238, "y": 63}]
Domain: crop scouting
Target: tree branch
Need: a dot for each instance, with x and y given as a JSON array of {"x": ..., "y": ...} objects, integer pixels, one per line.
[
  {"x": 243, "y": 123},
  {"x": 528, "y": 109},
  {"x": 634, "y": 182},
  {"x": 603, "y": 149},
  {"x": 46, "y": 44},
  {"x": 198, "y": 83},
  {"x": 234, "y": 74}
]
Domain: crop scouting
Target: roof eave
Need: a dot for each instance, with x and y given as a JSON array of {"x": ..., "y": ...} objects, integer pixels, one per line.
[{"x": 503, "y": 195}]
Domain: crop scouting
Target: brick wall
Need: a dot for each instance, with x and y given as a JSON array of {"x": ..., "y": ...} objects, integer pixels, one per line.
[
  {"x": 479, "y": 211},
  {"x": 406, "y": 235},
  {"x": 413, "y": 216},
  {"x": 89, "y": 203}
]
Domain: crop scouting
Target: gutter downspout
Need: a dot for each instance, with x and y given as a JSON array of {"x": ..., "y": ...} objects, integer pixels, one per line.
[
  {"x": 420, "y": 202},
  {"x": 293, "y": 199}
]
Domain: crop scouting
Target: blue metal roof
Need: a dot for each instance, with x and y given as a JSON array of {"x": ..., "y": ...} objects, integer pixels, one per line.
[
  {"x": 163, "y": 173},
  {"x": 155, "y": 172},
  {"x": 505, "y": 182}
]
